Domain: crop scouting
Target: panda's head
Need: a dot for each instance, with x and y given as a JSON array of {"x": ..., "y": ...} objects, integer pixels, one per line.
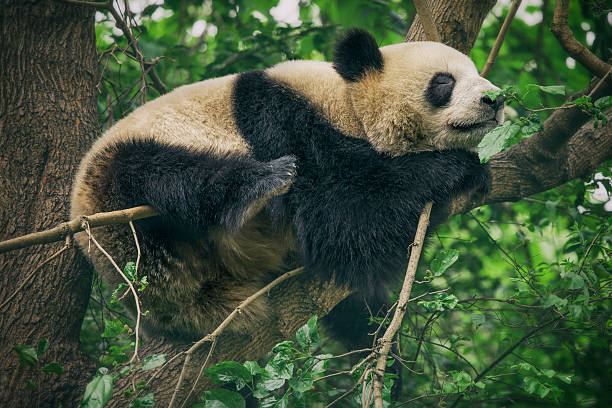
[{"x": 417, "y": 95}]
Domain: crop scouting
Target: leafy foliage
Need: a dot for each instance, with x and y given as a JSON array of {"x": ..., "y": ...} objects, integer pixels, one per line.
[{"x": 514, "y": 308}]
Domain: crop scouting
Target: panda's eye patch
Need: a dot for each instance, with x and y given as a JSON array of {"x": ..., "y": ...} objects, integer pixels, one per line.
[{"x": 440, "y": 89}]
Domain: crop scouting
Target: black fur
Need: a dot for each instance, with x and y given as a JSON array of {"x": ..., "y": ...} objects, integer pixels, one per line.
[
  {"x": 356, "y": 53},
  {"x": 192, "y": 190},
  {"x": 353, "y": 209},
  {"x": 440, "y": 89}
]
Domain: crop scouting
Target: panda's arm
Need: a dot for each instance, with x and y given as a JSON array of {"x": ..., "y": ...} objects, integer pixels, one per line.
[
  {"x": 359, "y": 219},
  {"x": 193, "y": 189}
]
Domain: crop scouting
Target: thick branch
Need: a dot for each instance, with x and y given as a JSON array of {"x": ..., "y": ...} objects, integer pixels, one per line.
[{"x": 574, "y": 48}]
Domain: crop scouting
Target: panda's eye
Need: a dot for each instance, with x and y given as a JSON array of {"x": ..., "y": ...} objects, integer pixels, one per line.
[{"x": 440, "y": 89}]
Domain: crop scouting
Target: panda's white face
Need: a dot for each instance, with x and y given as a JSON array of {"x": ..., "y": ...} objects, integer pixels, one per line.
[{"x": 427, "y": 96}]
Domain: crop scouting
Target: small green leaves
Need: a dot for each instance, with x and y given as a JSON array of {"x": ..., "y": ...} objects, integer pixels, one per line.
[
  {"x": 99, "y": 390},
  {"x": 53, "y": 368},
  {"x": 130, "y": 271},
  {"x": 443, "y": 260},
  {"x": 221, "y": 398},
  {"x": 441, "y": 302},
  {"x": 230, "y": 371},
  {"x": 554, "y": 300},
  {"x": 497, "y": 140},
  {"x": 143, "y": 402},
  {"x": 113, "y": 328},
  {"x": 41, "y": 347},
  {"x": 27, "y": 355},
  {"x": 153, "y": 361},
  {"x": 308, "y": 335}
]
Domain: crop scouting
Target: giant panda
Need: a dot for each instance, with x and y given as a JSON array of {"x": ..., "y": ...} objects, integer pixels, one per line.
[{"x": 326, "y": 165}]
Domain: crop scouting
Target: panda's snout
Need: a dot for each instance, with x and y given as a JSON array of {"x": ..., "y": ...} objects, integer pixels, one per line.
[{"x": 496, "y": 104}]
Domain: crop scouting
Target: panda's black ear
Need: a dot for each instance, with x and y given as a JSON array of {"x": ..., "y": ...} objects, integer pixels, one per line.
[{"x": 357, "y": 52}]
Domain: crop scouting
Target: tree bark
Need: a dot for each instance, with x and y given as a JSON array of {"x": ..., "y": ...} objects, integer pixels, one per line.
[
  {"x": 48, "y": 119},
  {"x": 458, "y": 22}
]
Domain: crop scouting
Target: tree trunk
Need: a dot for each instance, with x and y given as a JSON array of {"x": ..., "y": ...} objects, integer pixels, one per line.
[{"x": 48, "y": 119}]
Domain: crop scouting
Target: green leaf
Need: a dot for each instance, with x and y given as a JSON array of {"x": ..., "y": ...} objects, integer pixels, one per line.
[
  {"x": 554, "y": 300},
  {"x": 153, "y": 361},
  {"x": 113, "y": 328},
  {"x": 253, "y": 367},
  {"x": 27, "y": 354},
  {"x": 230, "y": 371},
  {"x": 301, "y": 384},
  {"x": 141, "y": 402},
  {"x": 282, "y": 346},
  {"x": 443, "y": 260},
  {"x": 41, "y": 347},
  {"x": 99, "y": 390},
  {"x": 551, "y": 89},
  {"x": 222, "y": 398},
  {"x": 116, "y": 291},
  {"x": 308, "y": 335},
  {"x": 603, "y": 103},
  {"x": 54, "y": 368},
  {"x": 497, "y": 140},
  {"x": 130, "y": 271},
  {"x": 269, "y": 383}
]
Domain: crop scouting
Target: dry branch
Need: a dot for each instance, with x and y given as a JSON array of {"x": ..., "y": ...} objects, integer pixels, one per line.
[
  {"x": 500, "y": 38},
  {"x": 73, "y": 226},
  {"x": 404, "y": 297},
  {"x": 212, "y": 337},
  {"x": 574, "y": 48}
]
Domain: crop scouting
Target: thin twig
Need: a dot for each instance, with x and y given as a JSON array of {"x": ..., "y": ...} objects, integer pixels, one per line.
[
  {"x": 507, "y": 353},
  {"x": 213, "y": 336},
  {"x": 123, "y": 25},
  {"x": 31, "y": 275},
  {"x": 73, "y": 226},
  {"x": 588, "y": 251},
  {"x": 126, "y": 279},
  {"x": 400, "y": 310},
  {"x": 500, "y": 38},
  {"x": 429, "y": 27}
]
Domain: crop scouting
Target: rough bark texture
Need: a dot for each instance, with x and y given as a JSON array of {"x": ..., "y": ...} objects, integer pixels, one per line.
[
  {"x": 47, "y": 120},
  {"x": 458, "y": 22}
]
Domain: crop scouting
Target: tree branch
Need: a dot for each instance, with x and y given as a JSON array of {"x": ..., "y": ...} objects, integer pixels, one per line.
[
  {"x": 574, "y": 48},
  {"x": 500, "y": 38},
  {"x": 404, "y": 296},
  {"x": 73, "y": 226}
]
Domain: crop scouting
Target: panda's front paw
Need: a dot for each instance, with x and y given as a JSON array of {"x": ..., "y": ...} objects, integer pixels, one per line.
[{"x": 281, "y": 173}]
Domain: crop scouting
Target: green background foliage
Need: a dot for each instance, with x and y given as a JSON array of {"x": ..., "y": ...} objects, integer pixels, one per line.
[{"x": 539, "y": 266}]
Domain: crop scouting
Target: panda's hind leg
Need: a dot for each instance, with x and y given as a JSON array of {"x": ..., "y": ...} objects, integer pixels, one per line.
[{"x": 191, "y": 189}]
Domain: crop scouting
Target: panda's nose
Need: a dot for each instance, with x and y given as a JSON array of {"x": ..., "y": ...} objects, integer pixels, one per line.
[{"x": 496, "y": 104}]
